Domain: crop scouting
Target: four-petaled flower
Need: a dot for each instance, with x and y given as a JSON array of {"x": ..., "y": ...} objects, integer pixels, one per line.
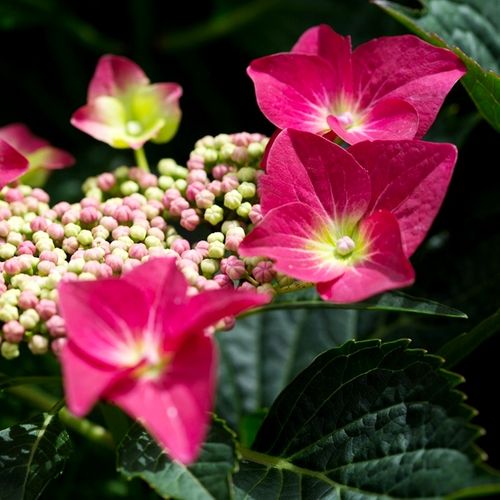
[
  {"x": 348, "y": 220},
  {"x": 124, "y": 110},
  {"x": 387, "y": 88},
  {"x": 12, "y": 163},
  {"x": 41, "y": 156},
  {"x": 140, "y": 342}
]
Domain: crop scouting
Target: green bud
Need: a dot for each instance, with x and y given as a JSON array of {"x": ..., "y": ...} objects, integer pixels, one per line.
[
  {"x": 8, "y": 313},
  {"x": 216, "y": 250},
  {"x": 167, "y": 166},
  {"x": 138, "y": 233},
  {"x": 154, "y": 193},
  {"x": 216, "y": 236},
  {"x": 7, "y": 250},
  {"x": 153, "y": 241},
  {"x": 226, "y": 151},
  {"x": 255, "y": 150},
  {"x": 209, "y": 267},
  {"x": 232, "y": 199},
  {"x": 247, "y": 189},
  {"x": 181, "y": 185},
  {"x": 100, "y": 232},
  {"x": 127, "y": 240},
  {"x": 89, "y": 183},
  {"x": 76, "y": 265},
  {"x": 26, "y": 229},
  {"x": 121, "y": 173},
  {"x": 42, "y": 208},
  {"x": 39, "y": 235},
  {"x": 246, "y": 174},
  {"x": 165, "y": 182},
  {"x": 95, "y": 193},
  {"x": 85, "y": 237},
  {"x": 15, "y": 223},
  {"x": 119, "y": 252},
  {"x": 244, "y": 209},
  {"x": 87, "y": 276},
  {"x": 25, "y": 189},
  {"x": 9, "y": 351},
  {"x": 15, "y": 238},
  {"x": 214, "y": 214},
  {"x": 29, "y": 319},
  {"x": 10, "y": 297},
  {"x": 129, "y": 187},
  {"x": 31, "y": 286},
  {"x": 71, "y": 229},
  {"x": 221, "y": 139},
  {"x": 210, "y": 156},
  {"x": 284, "y": 280},
  {"x": 170, "y": 239},
  {"x": 227, "y": 224},
  {"x": 44, "y": 244}
]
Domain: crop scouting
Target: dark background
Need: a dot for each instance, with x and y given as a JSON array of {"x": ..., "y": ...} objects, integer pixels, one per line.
[{"x": 49, "y": 51}]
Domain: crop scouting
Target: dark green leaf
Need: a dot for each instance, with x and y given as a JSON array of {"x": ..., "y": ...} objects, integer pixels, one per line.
[
  {"x": 31, "y": 455},
  {"x": 263, "y": 353},
  {"x": 209, "y": 478},
  {"x": 470, "y": 28},
  {"x": 390, "y": 301},
  {"x": 364, "y": 421},
  {"x": 459, "y": 347}
]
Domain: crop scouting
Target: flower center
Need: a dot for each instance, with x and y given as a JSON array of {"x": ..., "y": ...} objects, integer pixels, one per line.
[
  {"x": 152, "y": 368},
  {"x": 133, "y": 127},
  {"x": 345, "y": 246}
]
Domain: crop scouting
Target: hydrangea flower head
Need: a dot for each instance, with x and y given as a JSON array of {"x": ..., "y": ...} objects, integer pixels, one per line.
[
  {"x": 142, "y": 343},
  {"x": 348, "y": 220},
  {"x": 124, "y": 110},
  {"x": 12, "y": 163},
  {"x": 387, "y": 88},
  {"x": 41, "y": 156}
]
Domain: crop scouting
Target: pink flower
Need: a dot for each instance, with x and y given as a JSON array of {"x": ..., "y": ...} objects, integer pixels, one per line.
[
  {"x": 348, "y": 220},
  {"x": 140, "y": 342},
  {"x": 124, "y": 110},
  {"x": 40, "y": 154},
  {"x": 12, "y": 164},
  {"x": 387, "y": 88}
]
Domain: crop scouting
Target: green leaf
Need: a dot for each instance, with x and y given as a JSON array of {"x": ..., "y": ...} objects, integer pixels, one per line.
[
  {"x": 263, "y": 353},
  {"x": 208, "y": 478},
  {"x": 458, "y": 348},
  {"x": 31, "y": 455},
  {"x": 390, "y": 301},
  {"x": 367, "y": 420},
  {"x": 470, "y": 29}
]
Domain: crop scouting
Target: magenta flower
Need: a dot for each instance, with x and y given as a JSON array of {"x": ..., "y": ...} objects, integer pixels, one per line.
[
  {"x": 387, "y": 88},
  {"x": 124, "y": 110},
  {"x": 348, "y": 220},
  {"x": 140, "y": 342},
  {"x": 12, "y": 163}
]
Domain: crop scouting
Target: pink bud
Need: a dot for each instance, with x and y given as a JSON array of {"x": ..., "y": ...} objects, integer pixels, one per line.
[
  {"x": 180, "y": 245},
  {"x": 89, "y": 215},
  {"x": 195, "y": 164},
  {"x": 5, "y": 213},
  {"x": 138, "y": 251},
  {"x": 178, "y": 205},
  {"x": 49, "y": 255},
  {"x": 159, "y": 222},
  {"x": 194, "y": 188},
  {"x": 219, "y": 171},
  {"x": 183, "y": 264},
  {"x": 78, "y": 254},
  {"x": 46, "y": 309},
  {"x": 131, "y": 202},
  {"x": 148, "y": 180},
  {"x": 197, "y": 175},
  {"x": 255, "y": 214},
  {"x": 40, "y": 195},
  {"x": 44, "y": 267},
  {"x": 56, "y": 326},
  {"x": 123, "y": 213},
  {"x": 215, "y": 187},
  {"x": 264, "y": 272},
  {"x": 246, "y": 286},
  {"x": 61, "y": 207},
  {"x": 57, "y": 345},
  {"x": 26, "y": 248},
  {"x": 209, "y": 285},
  {"x": 202, "y": 248},
  {"x": 109, "y": 223},
  {"x": 95, "y": 253},
  {"x": 55, "y": 231},
  {"x": 89, "y": 202},
  {"x": 39, "y": 224},
  {"x": 140, "y": 218},
  {"x": 189, "y": 219},
  {"x": 129, "y": 264},
  {"x": 71, "y": 216},
  {"x": 70, "y": 276},
  {"x": 106, "y": 181},
  {"x": 12, "y": 266},
  {"x": 169, "y": 196},
  {"x": 120, "y": 231},
  {"x": 13, "y": 194},
  {"x": 27, "y": 300},
  {"x": 70, "y": 245},
  {"x": 105, "y": 271},
  {"x": 239, "y": 155},
  {"x": 204, "y": 198},
  {"x": 114, "y": 262},
  {"x": 109, "y": 208},
  {"x": 13, "y": 331},
  {"x": 92, "y": 267},
  {"x": 229, "y": 182},
  {"x": 233, "y": 267},
  {"x": 157, "y": 233},
  {"x": 193, "y": 255},
  {"x": 31, "y": 204}
]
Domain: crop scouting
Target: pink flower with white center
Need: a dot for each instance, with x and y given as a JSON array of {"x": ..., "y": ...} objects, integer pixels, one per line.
[
  {"x": 141, "y": 342},
  {"x": 387, "y": 88},
  {"x": 41, "y": 156},
  {"x": 124, "y": 109},
  {"x": 12, "y": 164},
  {"x": 348, "y": 220}
]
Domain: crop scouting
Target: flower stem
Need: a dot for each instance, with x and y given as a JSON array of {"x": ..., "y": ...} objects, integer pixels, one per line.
[
  {"x": 141, "y": 160},
  {"x": 46, "y": 402}
]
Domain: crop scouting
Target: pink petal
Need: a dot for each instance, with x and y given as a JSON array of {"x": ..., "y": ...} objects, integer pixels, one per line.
[
  {"x": 336, "y": 49},
  {"x": 51, "y": 158},
  {"x": 164, "y": 289},
  {"x": 295, "y": 90},
  {"x": 20, "y": 137},
  {"x": 285, "y": 235},
  {"x": 115, "y": 75},
  {"x": 175, "y": 408},
  {"x": 104, "y": 319},
  {"x": 409, "y": 178},
  {"x": 408, "y": 68},
  {"x": 389, "y": 118},
  {"x": 309, "y": 169},
  {"x": 385, "y": 268},
  {"x": 12, "y": 164},
  {"x": 207, "y": 308},
  {"x": 85, "y": 379}
]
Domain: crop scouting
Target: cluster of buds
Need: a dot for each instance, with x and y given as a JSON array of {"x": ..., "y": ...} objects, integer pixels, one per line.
[{"x": 125, "y": 217}]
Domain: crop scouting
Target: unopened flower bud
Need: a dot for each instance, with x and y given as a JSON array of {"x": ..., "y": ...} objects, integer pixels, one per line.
[
  {"x": 213, "y": 215},
  {"x": 9, "y": 351},
  {"x": 29, "y": 319},
  {"x": 38, "y": 344},
  {"x": 216, "y": 250},
  {"x": 189, "y": 219},
  {"x": 13, "y": 331},
  {"x": 209, "y": 267}
]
